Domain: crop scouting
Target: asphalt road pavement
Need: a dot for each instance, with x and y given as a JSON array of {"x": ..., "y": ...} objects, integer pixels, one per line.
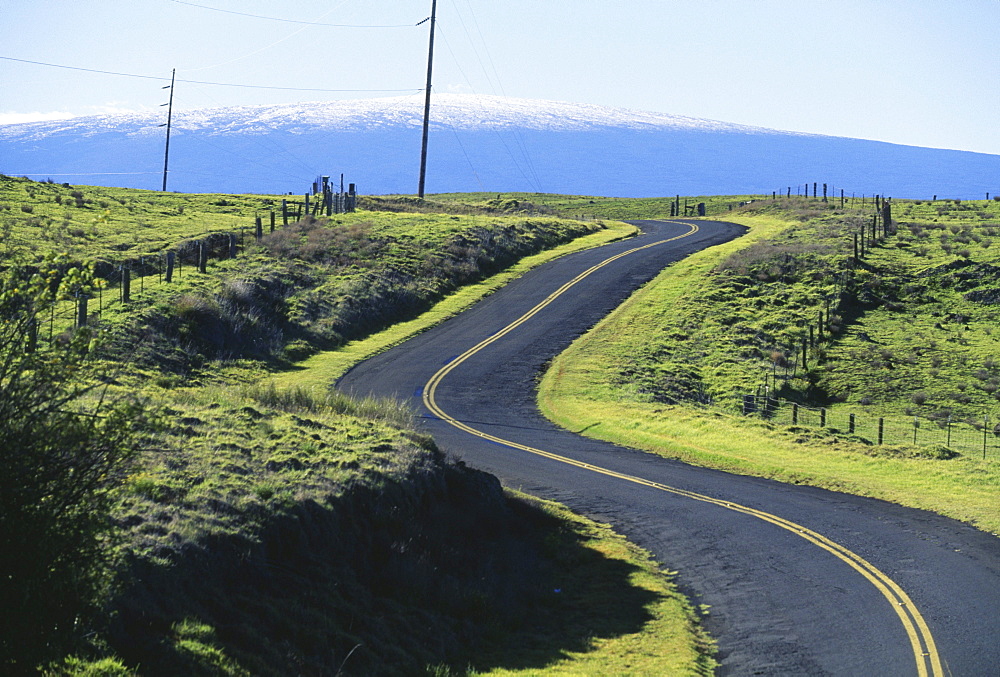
[{"x": 798, "y": 580}]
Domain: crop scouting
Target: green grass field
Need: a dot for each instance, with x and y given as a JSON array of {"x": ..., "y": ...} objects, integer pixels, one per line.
[
  {"x": 721, "y": 322},
  {"x": 97, "y": 223},
  {"x": 260, "y": 473},
  {"x": 261, "y": 512}
]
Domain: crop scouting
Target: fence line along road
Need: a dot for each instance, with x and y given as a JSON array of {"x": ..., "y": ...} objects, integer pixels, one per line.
[{"x": 979, "y": 439}]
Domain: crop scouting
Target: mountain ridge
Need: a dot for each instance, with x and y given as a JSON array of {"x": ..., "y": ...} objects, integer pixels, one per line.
[
  {"x": 448, "y": 110},
  {"x": 478, "y": 143}
]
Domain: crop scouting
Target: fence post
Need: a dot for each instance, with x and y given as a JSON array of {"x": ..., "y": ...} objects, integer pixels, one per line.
[
  {"x": 986, "y": 423},
  {"x": 850, "y": 423},
  {"x": 284, "y": 212},
  {"x": 126, "y": 284},
  {"x": 881, "y": 429},
  {"x": 822, "y": 418},
  {"x": 81, "y": 310},
  {"x": 259, "y": 228},
  {"x": 916, "y": 424},
  {"x": 170, "y": 267},
  {"x": 949, "y": 430},
  {"x": 272, "y": 219},
  {"x": 232, "y": 245},
  {"x": 202, "y": 257},
  {"x": 795, "y": 414}
]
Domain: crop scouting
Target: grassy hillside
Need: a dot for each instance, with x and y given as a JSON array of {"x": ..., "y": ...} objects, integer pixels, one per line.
[
  {"x": 906, "y": 329},
  {"x": 98, "y": 223},
  {"x": 271, "y": 525},
  {"x": 591, "y": 207},
  {"x": 267, "y": 529},
  {"x": 279, "y": 531}
]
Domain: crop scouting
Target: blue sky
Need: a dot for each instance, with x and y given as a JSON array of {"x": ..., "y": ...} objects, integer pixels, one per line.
[{"x": 905, "y": 71}]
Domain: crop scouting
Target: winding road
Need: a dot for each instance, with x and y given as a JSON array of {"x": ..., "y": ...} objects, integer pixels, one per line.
[{"x": 799, "y": 581}]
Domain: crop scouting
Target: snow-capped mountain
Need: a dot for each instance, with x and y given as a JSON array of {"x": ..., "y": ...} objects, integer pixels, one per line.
[{"x": 477, "y": 143}]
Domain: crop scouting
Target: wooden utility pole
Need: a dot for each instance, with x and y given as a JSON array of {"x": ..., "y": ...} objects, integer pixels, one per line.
[
  {"x": 427, "y": 103},
  {"x": 170, "y": 114}
]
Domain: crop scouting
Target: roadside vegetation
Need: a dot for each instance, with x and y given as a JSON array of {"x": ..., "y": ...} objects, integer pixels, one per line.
[
  {"x": 248, "y": 520},
  {"x": 63, "y": 458},
  {"x": 239, "y": 527},
  {"x": 592, "y": 207},
  {"x": 908, "y": 330},
  {"x": 95, "y": 223}
]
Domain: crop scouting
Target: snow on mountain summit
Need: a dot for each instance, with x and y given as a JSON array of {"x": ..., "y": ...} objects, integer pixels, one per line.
[
  {"x": 477, "y": 143},
  {"x": 456, "y": 111}
]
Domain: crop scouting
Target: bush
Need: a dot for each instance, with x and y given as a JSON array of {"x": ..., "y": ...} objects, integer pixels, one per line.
[
  {"x": 318, "y": 241},
  {"x": 62, "y": 459}
]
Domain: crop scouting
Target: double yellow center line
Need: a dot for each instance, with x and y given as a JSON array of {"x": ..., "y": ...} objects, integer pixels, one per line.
[{"x": 928, "y": 661}]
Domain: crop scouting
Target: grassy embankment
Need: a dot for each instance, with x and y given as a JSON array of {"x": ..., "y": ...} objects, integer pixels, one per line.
[
  {"x": 595, "y": 207},
  {"x": 272, "y": 529},
  {"x": 913, "y": 331}
]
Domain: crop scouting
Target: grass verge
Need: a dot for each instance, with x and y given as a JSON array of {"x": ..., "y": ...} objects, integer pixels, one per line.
[
  {"x": 323, "y": 369},
  {"x": 592, "y": 386},
  {"x": 667, "y": 640},
  {"x": 277, "y": 531}
]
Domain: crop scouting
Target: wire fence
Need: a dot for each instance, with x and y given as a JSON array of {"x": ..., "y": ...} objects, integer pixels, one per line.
[
  {"x": 125, "y": 280},
  {"x": 971, "y": 438}
]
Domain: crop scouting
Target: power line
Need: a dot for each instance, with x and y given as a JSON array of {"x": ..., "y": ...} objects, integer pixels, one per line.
[
  {"x": 260, "y": 141},
  {"x": 273, "y": 44},
  {"x": 202, "y": 82},
  {"x": 517, "y": 133},
  {"x": 293, "y": 21},
  {"x": 500, "y": 138},
  {"x": 518, "y": 137}
]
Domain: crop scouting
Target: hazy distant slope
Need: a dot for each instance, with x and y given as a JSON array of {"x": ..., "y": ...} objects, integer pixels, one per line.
[{"x": 477, "y": 143}]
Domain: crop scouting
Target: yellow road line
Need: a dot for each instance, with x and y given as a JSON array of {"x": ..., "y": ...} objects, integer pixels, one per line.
[{"x": 928, "y": 661}]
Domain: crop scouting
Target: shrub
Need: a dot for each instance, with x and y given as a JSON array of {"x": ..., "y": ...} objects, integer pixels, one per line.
[
  {"x": 316, "y": 240},
  {"x": 62, "y": 459}
]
